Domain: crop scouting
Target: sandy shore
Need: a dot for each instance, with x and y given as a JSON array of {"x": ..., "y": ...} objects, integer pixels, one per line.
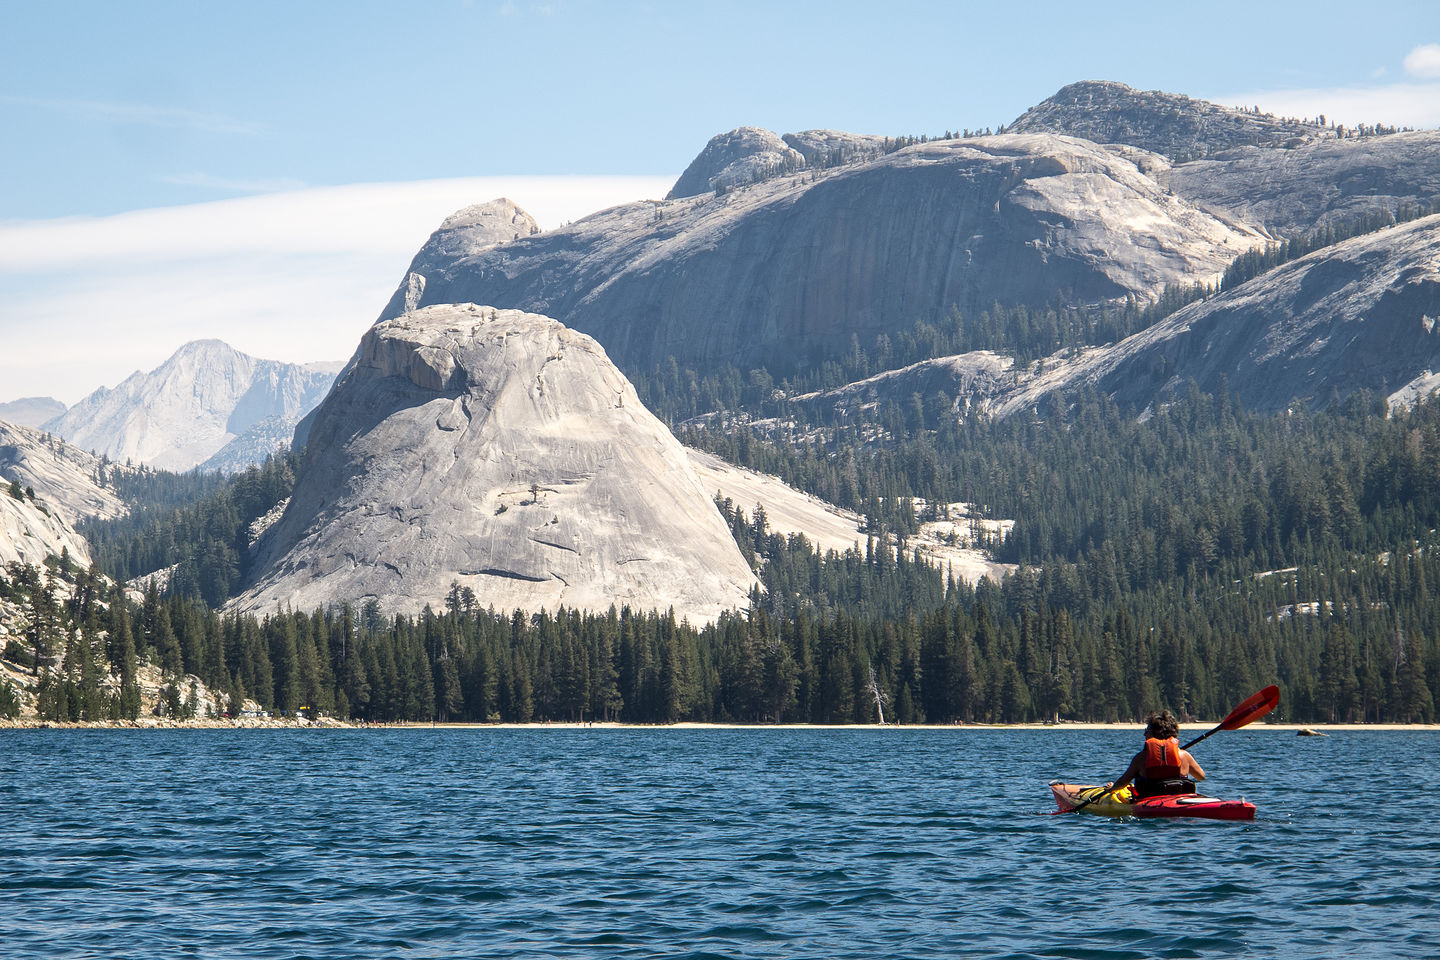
[{"x": 1057, "y": 727}]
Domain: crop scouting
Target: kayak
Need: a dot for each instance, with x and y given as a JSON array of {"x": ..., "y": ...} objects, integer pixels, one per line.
[{"x": 1123, "y": 803}]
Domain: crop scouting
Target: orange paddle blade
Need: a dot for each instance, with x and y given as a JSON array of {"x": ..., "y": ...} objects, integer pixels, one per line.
[{"x": 1252, "y": 709}]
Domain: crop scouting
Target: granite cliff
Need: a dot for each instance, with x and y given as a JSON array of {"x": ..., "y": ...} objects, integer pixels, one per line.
[
  {"x": 1362, "y": 314},
  {"x": 504, "y": 452},
  {"x": 60, "y": 485},
  {"x": 786, "y": 270},
  {"x": 1170, "y": 124},
  {"x": 1358, "y": 315},
  {"x": 74, "y": 483}
]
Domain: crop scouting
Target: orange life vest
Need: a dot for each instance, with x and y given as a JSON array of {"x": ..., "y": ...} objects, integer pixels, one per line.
[{"x": 1162, "y": 759}]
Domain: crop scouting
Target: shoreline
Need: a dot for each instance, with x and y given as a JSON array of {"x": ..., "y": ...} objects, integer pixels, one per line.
[{"x": 328, "y": 723}]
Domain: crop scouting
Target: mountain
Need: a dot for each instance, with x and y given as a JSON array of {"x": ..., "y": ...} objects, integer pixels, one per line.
[
  {"x": 1281, "y": 175},
  {"x": 31, "y": 530},
  {"x": 503, "y": 452},
  {"x": 258, "y": 441},
  {"x": 31, "y": 411},
  {"x": 1170, "y": 124},
  {"x": 1361, "y": 314},
  {"x": 59, "y": 485},
  {"x": 748, "y": 155},
  {"x": 742, "y": 156},
  {"x": 786, "y": 270},
  {"x": 71, "y": 482},
  {"x": 192, "y": 405},
  {"x": 463, "y": 234},
  {"x": 1292, "y": 191}
]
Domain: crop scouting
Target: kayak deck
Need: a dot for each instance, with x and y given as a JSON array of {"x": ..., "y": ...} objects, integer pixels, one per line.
[{"x": 1124, "y": 803}]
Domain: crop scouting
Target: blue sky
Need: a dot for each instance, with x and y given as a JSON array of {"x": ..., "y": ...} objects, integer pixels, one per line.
[{"x": 143, "y": 138}]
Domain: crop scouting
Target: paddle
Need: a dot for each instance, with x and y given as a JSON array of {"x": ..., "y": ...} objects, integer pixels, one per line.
[{"x": 1254, "y": 707}]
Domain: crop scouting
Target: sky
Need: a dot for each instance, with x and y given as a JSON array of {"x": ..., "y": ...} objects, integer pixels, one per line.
[{"x": 262, "y": 172}]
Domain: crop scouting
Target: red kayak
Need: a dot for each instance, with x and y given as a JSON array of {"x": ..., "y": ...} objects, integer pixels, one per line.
[{"x": 1123, "y": 803}]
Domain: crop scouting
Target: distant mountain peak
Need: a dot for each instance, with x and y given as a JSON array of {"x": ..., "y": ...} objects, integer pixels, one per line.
[
  {"x": 1170, "y": 124},
  {"x": 31, "y": 411},
  {"x": 191, "y": 406}
]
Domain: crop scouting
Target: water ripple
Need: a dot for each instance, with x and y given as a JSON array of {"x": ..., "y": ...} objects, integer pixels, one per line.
[{"x": 696, "y": 843}]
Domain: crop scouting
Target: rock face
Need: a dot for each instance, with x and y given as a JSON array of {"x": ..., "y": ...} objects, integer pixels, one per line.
[
  {"x": 191, "y": 406},
  {"x": 29, "y": 534},
  {"x": 258, "y": 441},
  {"x": 1329, "y": 181},
  {"x": 1363, "y": 314},
  {"x": 31, "y": 411},
  {"x": 502, "y": 451},
  {"x": 32, "y": 530},
  {"x": 462, "y": 234},
  {"x": 1359, "y": 315},
  {"x": 67, "y": 479},
  {"x": 1170, "y": 124},
  {"x": 742, "y": 156},
  {"x": 961, "y": 380},
  {"x": 787, "y": 270}
]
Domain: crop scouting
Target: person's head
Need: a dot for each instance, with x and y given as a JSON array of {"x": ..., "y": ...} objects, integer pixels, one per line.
[{"x": 1161, "y": 726}]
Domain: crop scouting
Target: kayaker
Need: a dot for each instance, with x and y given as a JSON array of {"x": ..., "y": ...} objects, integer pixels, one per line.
[{"x": 1161, "y": 768}]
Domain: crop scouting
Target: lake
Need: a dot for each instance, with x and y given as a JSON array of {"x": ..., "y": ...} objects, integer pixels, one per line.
[{"x": 700, "y": 843}]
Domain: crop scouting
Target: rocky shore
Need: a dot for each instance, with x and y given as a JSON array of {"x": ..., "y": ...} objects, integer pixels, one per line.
[{"x": 166, "y": 723}]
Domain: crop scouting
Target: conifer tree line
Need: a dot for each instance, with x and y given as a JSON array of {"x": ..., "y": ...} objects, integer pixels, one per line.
[
  {"x": 841, "y": 638},
  {"x": 1182, "y": 559}
]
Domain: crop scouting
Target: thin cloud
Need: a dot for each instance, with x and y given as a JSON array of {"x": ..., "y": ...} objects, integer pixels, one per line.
[
  {"x": 210, "y": 182},
  {"x": 294, "y": 276},
  {"x": 386, "y": 218},
  {"x": 144, "y": 114},
  {"x": 1396, "y": 104},
  {"x": 1424, "y": 61}
]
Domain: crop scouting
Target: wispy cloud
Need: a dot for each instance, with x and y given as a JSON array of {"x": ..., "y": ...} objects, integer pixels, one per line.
[
  {"x": 291, "y": 276},
  {"x": 1424, "y": 61},
  {"x": 512, "y": 9},
  {"x": 1401, "y": 104},
  {"x": 228, "y": 185},
  {"x": 1394, "y": 104},
  {"x": 144, "y": 114}
]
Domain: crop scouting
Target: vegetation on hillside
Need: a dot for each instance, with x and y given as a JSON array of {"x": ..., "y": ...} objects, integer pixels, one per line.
[{"x": 1182, "y": 559}]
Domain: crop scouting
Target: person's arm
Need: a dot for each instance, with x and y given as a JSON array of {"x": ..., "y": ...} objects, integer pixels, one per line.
[
  {"x": 1131, "y": 772},
  {"x": 1189, "y": 768}
]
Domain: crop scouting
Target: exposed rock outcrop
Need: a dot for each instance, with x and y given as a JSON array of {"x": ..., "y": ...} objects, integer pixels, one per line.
[
  {"x": 1170, "y": 124},
  {"x": 32, "y": 530},
  {"x": 501, "y": 451},
  {"x": 70, "y": 481},
  {"x": 787, "y": 270},
  {"x": 1290, "y": 192},
  {"x": 744, "y": 155},
  {"x": 464, "y": 233},
  {"x": 191, "y": 406},
  {"x": 1363, "y": 314}
]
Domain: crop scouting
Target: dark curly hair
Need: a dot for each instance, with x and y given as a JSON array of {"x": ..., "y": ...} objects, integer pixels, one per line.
[{"x": 1162, "y": 725}]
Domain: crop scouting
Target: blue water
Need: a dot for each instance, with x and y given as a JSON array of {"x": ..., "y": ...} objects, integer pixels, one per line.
[{"x": 700, "y": 843}]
